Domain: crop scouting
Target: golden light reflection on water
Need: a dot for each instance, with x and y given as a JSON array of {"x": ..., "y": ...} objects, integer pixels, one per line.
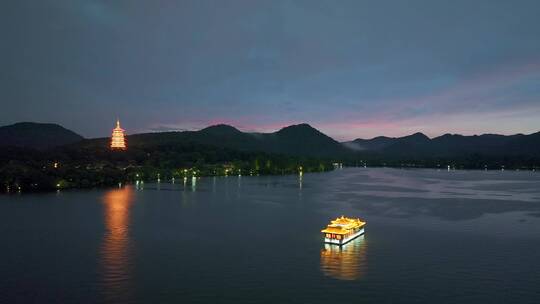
[
  {"x": 347, "y": 262},
  {"x": 115, "y": 253}
]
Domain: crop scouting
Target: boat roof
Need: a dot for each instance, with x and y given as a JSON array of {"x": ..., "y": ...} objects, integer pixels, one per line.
[
  {"x": 335, "y": 230},
  {"x": 342, "y": 225}
]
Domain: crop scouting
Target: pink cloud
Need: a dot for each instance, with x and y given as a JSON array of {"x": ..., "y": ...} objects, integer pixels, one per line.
[{"x": 450, "y": 110}]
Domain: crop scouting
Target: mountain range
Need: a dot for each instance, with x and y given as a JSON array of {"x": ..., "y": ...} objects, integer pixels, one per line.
[
  {"x": 449, "y": 145},
  {"x": 297, "y": 140}
]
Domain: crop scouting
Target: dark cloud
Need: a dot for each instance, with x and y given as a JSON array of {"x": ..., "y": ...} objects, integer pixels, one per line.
[{"x": 351, "y": 68}]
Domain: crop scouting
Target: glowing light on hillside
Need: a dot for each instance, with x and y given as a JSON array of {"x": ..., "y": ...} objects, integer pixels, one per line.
[{"x": 118, "y": 141}]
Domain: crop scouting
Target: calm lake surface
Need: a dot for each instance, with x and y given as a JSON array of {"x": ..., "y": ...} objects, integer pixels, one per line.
[{"x": 431, "y": 237}]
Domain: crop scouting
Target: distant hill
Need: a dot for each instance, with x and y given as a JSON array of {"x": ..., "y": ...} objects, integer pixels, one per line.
[
  {"x": 296, "y": 140},
  {"x": 374, "y": 144},
  {"x": 303, "y": 140},
  {"x": 37, "y": 135},
  {"x": 225, "y": 136},
  {"x": 450, "y": 145}
]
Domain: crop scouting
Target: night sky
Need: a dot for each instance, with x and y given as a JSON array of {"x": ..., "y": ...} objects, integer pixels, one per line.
[{"x": 349, "y": 68}]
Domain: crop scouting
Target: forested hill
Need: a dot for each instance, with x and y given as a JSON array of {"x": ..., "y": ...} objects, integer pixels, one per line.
[
  {"x": 300, "y": 140},
  {"x": 295, "y": 140},
  {"x": 37, "y": 135},
  {"x": 450, "y": 145}
]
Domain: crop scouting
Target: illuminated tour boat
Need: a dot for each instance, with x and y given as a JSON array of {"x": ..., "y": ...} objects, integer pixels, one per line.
[{"x": 342, "y": 230}]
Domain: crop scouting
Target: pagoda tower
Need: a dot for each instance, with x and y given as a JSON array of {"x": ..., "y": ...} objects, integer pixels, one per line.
[{"x": 118, "y": 141}]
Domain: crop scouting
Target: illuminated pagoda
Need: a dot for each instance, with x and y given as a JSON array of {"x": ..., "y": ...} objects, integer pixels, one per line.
[
  {"x": 342, "y": 230},
  {"x": 118, "y": 141}
]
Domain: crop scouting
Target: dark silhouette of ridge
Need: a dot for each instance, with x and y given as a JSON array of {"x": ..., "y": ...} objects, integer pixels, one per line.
[
  {"x": 37, "y": 135},
  {"x": 419, "y": 145},
  {"x": 298, "y": 140}
]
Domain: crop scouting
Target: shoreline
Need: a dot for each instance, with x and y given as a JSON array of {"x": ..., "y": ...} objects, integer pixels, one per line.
[{"x": 133, "y": 182}]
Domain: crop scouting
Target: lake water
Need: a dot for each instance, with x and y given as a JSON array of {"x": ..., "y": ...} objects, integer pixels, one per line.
[{"x": 431, "y": 237}]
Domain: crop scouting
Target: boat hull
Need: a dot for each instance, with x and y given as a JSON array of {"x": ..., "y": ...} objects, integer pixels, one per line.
[{"x": 344, "y": 240}]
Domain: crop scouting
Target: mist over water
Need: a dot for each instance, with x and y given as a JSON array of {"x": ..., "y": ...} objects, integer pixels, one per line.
[{"x": 431, "y": 237}]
